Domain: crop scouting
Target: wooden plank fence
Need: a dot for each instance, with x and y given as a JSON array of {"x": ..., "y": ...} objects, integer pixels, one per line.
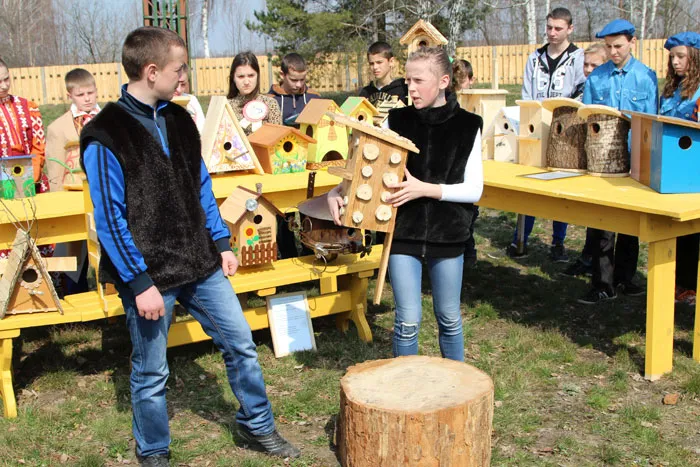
[{"x": 340, "y": 72}]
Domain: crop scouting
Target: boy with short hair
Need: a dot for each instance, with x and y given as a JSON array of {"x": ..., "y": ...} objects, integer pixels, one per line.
[
  {"x": 381, "y": 61},
  {"x": 163, "y": 240},
  {"x": 292, "y": 93},
  {"x": 623, "y": 83}
]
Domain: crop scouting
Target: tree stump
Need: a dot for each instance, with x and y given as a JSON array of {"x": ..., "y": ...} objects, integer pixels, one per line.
[{"x": 415, "y": 411}]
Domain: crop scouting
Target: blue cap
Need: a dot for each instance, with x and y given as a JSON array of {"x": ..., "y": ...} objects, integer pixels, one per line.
[
  {"x": 689, "y": 39},
  {"x": 615, "y": 28}
]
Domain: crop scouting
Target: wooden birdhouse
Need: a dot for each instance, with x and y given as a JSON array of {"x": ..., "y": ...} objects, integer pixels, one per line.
[
  {"x": 280, "y": 149},
  {"x": 422, "y": 34},
  {"x": 486, "y": 103},
  {"x": 567, "y": 135},
  {"x": 665, "y": 153},
  {"x": 331, "y": 146},
  {"x": 383, "y": 108},
  {"x": 225, "y": 147},
  {"x": 17, "y": 177},
  {"x": 359, "y": 108},
  {"x": 503, "y": 133},
  {"x": 607, "y": 132},
  {"x": 73, "y": 175},
  {"x": 252, "y": 220},
  {"x": 533, "y": 136}
]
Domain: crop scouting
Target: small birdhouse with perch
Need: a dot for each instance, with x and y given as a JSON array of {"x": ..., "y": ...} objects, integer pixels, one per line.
[
  {"x": 280, "y": 149},
  {"x": 359, "y": 108},
  {"x": 225, "y": 147},
  {"x": 422, "y": 34},
  {"x": 17, "y": 177},
  {"x": 252, "y": 220},
  {"x": 331, "y": 146}
]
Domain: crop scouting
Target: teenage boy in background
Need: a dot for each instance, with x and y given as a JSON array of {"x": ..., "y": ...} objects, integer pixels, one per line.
[
  {"x": 292, "y": 93},
  {"x": 384, "y": 87}
]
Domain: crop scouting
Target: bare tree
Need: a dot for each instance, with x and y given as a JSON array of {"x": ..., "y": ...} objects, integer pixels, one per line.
[
  {"x": 26, "y": 28},
  {"x": 531, "y": 23}
]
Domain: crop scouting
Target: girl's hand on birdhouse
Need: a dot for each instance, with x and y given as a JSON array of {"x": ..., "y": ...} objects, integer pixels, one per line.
[
  {"x": 150, "y": 304},
  {"x": 229, "y": 263},
  {"x": 335, "y": 202},
  {"x": 411, "y": 189}
]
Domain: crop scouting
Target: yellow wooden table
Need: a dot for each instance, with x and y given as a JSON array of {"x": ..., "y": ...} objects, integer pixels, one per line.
[{"x": 620, "y": 205}]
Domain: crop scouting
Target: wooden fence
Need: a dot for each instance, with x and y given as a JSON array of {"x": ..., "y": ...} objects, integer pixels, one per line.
[{"x": 44, "y": 85}]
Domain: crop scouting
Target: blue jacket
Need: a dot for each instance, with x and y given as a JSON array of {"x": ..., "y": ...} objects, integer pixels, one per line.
[
  {"x": 291, "y": 105},
  {"x": 112, "y": 194},
  {"x": 633, "y": 87},
  {"x": 674, "y": 106},
  {"x": 564, "y": 81}
]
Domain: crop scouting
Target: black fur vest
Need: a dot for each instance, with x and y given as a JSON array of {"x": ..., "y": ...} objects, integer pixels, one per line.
[
  {"x": 163, "y": 210},
  {"x": 445, "y": 136}
]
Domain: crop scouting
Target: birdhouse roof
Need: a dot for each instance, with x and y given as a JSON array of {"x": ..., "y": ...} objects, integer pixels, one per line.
[
  {"x": 182, "y": 101},
  {"x": 268, "y": 135},
  {"x": 666, "y": 119},
  {"x": 384, "y": 134},
  {"x": 594, "y": 109},
  {"x": 352, "y": 103},
  {"x": 554, "y": 102},
  {"x": 528, "y": 103},
  {"x": 315, "y": 109},
  {"x": 17, "y": 158},
  {"x": 423, "y": 27},
  {"x": 234, "y": 207}
]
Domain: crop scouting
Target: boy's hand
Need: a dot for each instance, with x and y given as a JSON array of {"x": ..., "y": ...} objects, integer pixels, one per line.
[
  {"x": 229, "y": 263},
  {"x": 335, "y": 202},
  {"x": 150, "y": 304},
  {"x": 412, "y": 189}
]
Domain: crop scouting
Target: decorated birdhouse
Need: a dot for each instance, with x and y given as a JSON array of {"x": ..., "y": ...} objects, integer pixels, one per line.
[
  {"x": 422, "y": 34},
  {"x": 383, "y": 108},
  {"x": 503, "y": 133},
  {"x": 567, "y": 135},
  {"x": 665, "y": 153},
  {"x": 607, "y": 133},
  {"x": 17, "y": 177},
  {"x": 252, "y": 220},
  {"x": 331, "y": 146},
  {"x": 533, "y": 133},
  {"x": 225, "y": 147},
  {"x": 486, "y": 103},
  {"x": 280, "y": 149},
  {"x": 73, "y": 175},
  {"x": 359, "y": 108}
]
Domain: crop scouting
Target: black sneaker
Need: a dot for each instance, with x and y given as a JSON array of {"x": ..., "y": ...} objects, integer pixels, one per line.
[
  {"x": 512, "y": 251},
  {"x": 155, "y": 461},
  {"x": 630, "y": 289},
  {"x": 579, "y": 268},
  {"x": 558, "y": 254},
  {"x": 595, "y": 296},
  {"x": 272, "y": 443}
]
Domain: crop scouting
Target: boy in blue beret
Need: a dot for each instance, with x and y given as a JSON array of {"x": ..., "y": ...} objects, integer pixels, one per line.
[{"x": 624, "y": 83}]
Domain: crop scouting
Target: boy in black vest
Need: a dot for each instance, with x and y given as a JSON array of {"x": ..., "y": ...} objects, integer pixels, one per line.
[{"x": 163, "y": 239}]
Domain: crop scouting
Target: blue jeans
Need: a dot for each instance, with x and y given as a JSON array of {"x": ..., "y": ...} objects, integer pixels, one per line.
[
  {"x": 558, "y": 231},
  {"x": 405, "y": 273},
  {"x": 214, "y": 304}
]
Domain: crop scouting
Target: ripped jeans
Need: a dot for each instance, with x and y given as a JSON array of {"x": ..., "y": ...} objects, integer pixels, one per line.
[{"x": 405, "y": 273}]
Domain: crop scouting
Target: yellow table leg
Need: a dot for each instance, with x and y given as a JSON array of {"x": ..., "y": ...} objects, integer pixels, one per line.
[
  {"x": 660, "y": 308},
  {"x": 358, "y": 291},
  {"x": 6, "y": 391},
  {"x": 696, "y": 332}
]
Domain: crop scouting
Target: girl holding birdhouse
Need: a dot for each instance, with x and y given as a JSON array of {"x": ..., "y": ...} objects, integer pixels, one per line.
[
  {"x": 251, "y": 108},
  {"x": 680, "y": 98},
  {"x": 435, "y": 203}
]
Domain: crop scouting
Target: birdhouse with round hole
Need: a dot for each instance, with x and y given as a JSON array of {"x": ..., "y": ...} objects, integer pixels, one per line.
[
  {"x": 280, "y": 149},
  {"x": 665, "y": 153},
  {"x": 566, "y": 148},
  {"x": 422, "y": 34},
  {"x": 359, "y": 108},
  {"x": 533, "y": 134},
  {"x": 17, "y": 177},
  {"x": 331, "y": 145}
]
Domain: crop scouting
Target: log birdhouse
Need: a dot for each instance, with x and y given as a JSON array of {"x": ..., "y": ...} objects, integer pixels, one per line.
[
  {"x": 225, "y": 147},
  {"x": 567, "y": 135},
  {"x": 17, "y": 177},
  {"x": 607, "y": 150},
  {"x": 25, "y": 286},
  {"x": 665, "y": 153},
  {"x": 422, "y": 34},
  {"x": 331, "y": 146},
  {"x": 359, "y": 108},
  {"x": 533, "y": 136},
  {"x": 503, "y": 133},
  {"x": 383, "y": 108},
  {"x": 486, "y": 103},
  {"x": 252, "y": 220},
  {"x": 280, "y": 149}
]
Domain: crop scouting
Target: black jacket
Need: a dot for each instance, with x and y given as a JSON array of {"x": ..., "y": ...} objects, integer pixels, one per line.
[
  {"x": 395, "y": 88},
  {"x": 445, "y": 136}
]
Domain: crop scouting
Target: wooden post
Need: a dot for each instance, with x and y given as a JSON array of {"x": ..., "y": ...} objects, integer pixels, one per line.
[
  {"x": 494, "y": 68},
  {"x": 415, "y": 411},
  {"x": 383, "y": 265}
]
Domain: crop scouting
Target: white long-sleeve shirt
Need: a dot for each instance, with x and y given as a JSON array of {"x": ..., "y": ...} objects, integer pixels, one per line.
[{"x": 470, "y": 190}]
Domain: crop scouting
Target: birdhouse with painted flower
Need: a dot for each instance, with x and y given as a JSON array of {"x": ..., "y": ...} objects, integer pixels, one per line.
[
  {"x": 17, "y": 177},
  {"x": 281, "y": 149},
  {"x": 252, "y": 220},
  {"x": 331, "y": 146}
]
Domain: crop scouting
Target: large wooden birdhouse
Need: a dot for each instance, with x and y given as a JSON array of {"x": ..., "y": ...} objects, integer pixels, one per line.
[
  {"x": 359, "y": 108},
  {"x": 280, "y": 149},
  {"x": 665, "y": 153},
  {"x": 567, "y": 135},
  {"x": 607, "y": 132},
  {"x": 502, "y": 135},
  {"x": 252, "y": 220},
  {"x": 331, "y": 146},
  {"x": 533, "y": 135},
  {"x": 17, "y": 177},
  {"x": 422, "y": 34},
  {"x": 225, "y": 147}
]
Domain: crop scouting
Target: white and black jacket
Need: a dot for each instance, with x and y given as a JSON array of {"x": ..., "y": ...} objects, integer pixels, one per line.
[{"x": 542, "y": 83}]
